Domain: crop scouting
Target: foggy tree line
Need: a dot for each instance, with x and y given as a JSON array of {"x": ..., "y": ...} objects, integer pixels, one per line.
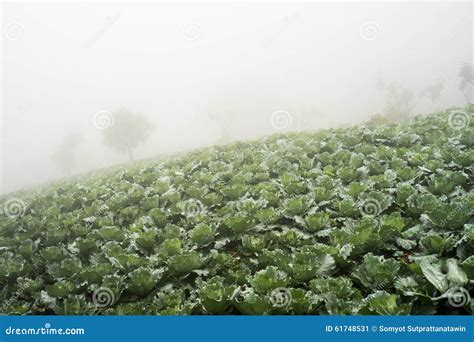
[
  {"x": 129, "y": 130},
  {"x": 400, "y": 101}
]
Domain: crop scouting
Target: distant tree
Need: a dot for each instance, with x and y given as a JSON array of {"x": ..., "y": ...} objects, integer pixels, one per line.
[
  {"x": 399, "y": 102},
  {"x": 434, "y": 91},
  {"x": 224, "y": 121},
  {"x": 466, "y": 73},
  {"x": 65, "y": 155},
  {"x": 127, "y": 131}
]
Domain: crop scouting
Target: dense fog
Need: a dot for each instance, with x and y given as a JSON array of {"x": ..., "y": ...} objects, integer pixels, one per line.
[{"x": 204, "y": 74}]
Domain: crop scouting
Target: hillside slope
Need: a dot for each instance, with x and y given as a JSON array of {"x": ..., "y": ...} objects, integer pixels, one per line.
[{"x": 360, "y": 220}]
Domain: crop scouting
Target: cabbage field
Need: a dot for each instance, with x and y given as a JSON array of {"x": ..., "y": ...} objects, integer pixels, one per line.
[{"x": 370, "y": 219}]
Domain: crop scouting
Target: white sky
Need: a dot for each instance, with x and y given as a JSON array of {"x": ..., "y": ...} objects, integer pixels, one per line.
[{"x": 247, "y": 61}]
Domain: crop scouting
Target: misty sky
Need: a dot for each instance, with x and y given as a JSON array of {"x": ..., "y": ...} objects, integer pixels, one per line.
[{"x": 183, "y": 65}]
